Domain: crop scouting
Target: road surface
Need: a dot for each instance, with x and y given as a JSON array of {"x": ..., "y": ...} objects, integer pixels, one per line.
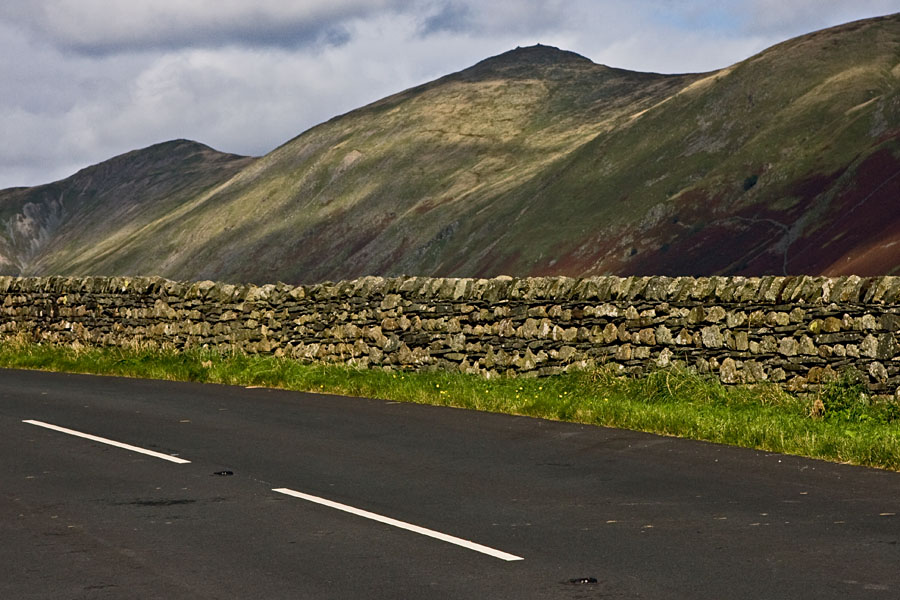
[{"x": 275, "y": 494}]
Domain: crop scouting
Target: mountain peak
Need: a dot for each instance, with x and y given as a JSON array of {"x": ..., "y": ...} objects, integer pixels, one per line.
[
  {"x": 526, "y": 60},
  {"x": 538, "y": 54}
]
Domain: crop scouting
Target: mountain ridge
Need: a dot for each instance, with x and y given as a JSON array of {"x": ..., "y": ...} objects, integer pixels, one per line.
[
  {"x": 537, "y": 161},
  {"x": 72, "y": 205}
]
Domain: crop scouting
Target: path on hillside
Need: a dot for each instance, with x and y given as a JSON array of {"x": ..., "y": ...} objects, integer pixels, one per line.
[{"x": 539, "y": 503}]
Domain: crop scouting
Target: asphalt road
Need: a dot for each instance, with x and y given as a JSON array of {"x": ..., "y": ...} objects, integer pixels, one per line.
[{"x": 624, "y": 515}]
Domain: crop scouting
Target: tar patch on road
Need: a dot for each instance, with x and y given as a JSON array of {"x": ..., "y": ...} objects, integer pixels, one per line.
[{"x": 167, "y": 502}]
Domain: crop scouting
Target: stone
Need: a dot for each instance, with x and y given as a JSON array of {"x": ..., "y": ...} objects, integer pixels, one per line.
[
  {"x": 777, "y": 375},
  {"x": 877, "y": 371},
  {"x": 735, "y": 319},
  {"x": 711, "y": 337},
  {"x": 798, "y": 315},
  {"x": 696, "y": 315},
  {"x": 663, "y": 335},
  {"x": 391, "y": 301},
  {"x": 546, "y": 328},
  {"x": 832, "y": 325},
  {"x": 506, "y": 329},
  {"x": 529, "y": 329},
  {"x": 728, "y": 371},
  {"x": 163, "y": 311},
  {"x": 375, "y": 354},
  {"x": 566, "y": 353},
  {"x": 797, "y": 384},
  {"x": 610, "y": 334},
  {"x": 815, "y": 375},
  {"x": 715, "y": 314},
  {"x": 624, "y": 352},
  {"x": 641, "y": 353},
  {"x": 456, "y": 342},
  {"x": 887, "y": 347},
  {"x": 754, "y": 372},
  {"x": 865, "y": 323},
  {"x": 684, "y": 338},
  {"x": 664, "y": 359},
  {"x": 525, "y": 362},
  {"x": 757, "y": 318},
  {"x": 869, "y": 346},
  {"x": 607, "y": 310},
  {"x": 536, "y": 311},
  {"x": 788, "y": 347},
  {"x": 778, "y": 319},
  {"x": 889, "y": 322},
  {"x": 806, "y": 346}
]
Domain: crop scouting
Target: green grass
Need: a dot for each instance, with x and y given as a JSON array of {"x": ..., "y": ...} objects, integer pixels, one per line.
[{"x": 841, "y": 423}]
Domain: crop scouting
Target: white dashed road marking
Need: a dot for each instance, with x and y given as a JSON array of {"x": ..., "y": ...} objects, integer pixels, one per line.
[
  {"x": 402, "y": 525},
  {"x": 95, "y": 438}
]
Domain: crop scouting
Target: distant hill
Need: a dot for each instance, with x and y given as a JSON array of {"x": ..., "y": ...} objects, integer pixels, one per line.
[
  {"x": 537, "y": 161},
  {"x": 48, "y": 228}
]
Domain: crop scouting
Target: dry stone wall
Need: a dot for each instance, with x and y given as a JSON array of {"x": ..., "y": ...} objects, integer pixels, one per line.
[{"x": 794, "y": 331}]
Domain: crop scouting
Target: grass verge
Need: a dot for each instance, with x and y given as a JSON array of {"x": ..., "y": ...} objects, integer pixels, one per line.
[{"x": 842, "y": 423}]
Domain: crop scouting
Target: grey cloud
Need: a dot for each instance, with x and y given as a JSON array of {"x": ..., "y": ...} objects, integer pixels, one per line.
[
  {"x": 97, "y": 28},
  {"x": 786, "y": 19},
  {"x": 523, "y": 17},
  {"x": 452, "y": 16},
  {"x": 89, "y": 79}
]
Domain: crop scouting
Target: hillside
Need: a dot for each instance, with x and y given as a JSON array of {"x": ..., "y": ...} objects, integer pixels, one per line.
[
  {"x": 44, "y": 226},
  {"x": 537, "y": 161}
]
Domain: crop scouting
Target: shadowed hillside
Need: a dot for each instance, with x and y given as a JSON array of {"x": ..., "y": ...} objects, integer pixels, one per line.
[
  {"x": 41, "y": 228},
  {"x": 537, "y": 161}
]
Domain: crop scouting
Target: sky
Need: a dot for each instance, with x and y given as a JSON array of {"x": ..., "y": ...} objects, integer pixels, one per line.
[{"x": 86, "y": 80}]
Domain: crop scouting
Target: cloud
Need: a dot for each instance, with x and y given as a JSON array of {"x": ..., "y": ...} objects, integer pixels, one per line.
[
  {"x": 506, "y": 16},
  {"x": 796, "y": 17},
  {"x": 85, "y": 80},
  {"x": 74, "y": 110},
  {"x": 98, "y": 27}
]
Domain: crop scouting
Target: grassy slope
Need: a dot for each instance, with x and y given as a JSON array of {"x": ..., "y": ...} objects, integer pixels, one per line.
[
  {"x": 48, "y": 227},
  {"x": 387, "y": 182},
  {"x": 539, "y": 161},
  {"x": 803, "y": 110}
]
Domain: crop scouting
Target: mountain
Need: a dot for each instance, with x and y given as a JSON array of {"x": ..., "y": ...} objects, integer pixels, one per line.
[
  {"x": 537, "y": 161},
  {"x": 45, "y": 229}
]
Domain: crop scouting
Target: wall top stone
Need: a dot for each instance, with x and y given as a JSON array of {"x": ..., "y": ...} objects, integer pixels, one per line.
[{"x": 767, "y": 290}]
